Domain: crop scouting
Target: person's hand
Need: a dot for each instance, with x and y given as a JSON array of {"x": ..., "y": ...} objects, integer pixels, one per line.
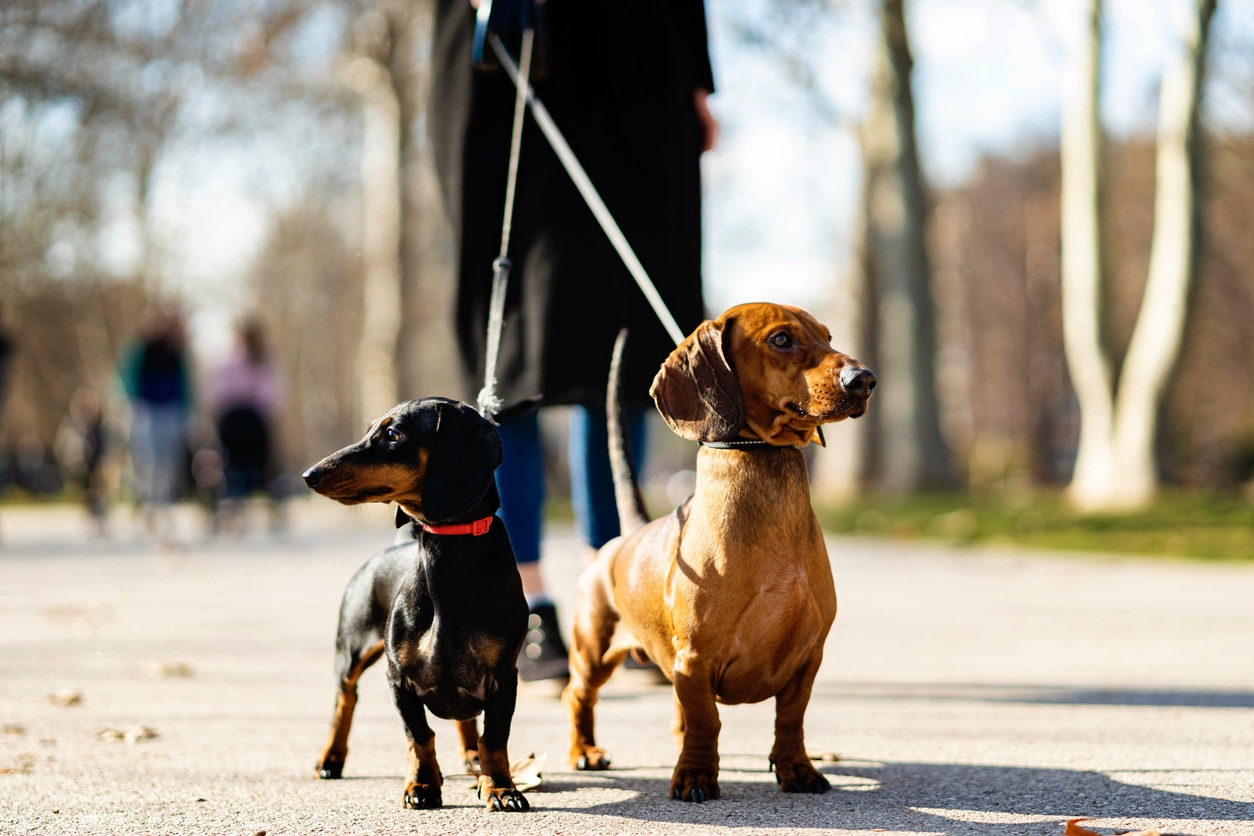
[{"x": 709, "y": 125}]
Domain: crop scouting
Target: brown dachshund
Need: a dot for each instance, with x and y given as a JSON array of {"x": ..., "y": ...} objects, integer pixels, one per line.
[
  {"x": 731, "y": 594},
  {"x": 444, "y": 604}
]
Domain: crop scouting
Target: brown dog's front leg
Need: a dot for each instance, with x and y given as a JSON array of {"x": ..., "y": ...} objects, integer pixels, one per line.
[
  {"x": 696, "y": 774},
  {"x": 792, "y": 766}
]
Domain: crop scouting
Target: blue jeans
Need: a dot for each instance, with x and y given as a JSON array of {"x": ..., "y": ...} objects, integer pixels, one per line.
[{"x": 520, "y": 478}]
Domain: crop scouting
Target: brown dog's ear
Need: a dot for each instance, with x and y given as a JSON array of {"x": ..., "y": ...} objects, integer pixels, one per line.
[
  {"x": 696, "y": 390},
  {"x": 461, "y": 463}
]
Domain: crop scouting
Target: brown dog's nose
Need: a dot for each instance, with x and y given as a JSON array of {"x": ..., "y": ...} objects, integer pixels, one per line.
[
  {"x": 312, "y": 476},
  {"x": 857, "y": 381}
]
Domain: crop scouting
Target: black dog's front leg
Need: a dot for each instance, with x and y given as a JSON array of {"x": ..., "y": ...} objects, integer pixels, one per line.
[
  {"x": 422, "y": 785},
  {"x": 496, "y": 786}
]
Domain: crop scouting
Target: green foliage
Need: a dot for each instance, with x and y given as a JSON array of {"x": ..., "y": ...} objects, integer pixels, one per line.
[{"x": 1196, "y": 525}]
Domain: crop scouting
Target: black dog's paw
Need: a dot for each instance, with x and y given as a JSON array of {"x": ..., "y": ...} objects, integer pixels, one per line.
[
  {"x": 507, "y": 800},
  {"x": 422, "y": 797}
]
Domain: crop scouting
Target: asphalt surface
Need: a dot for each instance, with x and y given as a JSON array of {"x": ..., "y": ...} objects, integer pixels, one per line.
[{"x": 187, "y": 688}]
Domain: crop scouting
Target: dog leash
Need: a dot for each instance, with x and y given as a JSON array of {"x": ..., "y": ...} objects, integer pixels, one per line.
[
  {"x": 488, "y": 402},
  {"x": 590, "y": 195}
]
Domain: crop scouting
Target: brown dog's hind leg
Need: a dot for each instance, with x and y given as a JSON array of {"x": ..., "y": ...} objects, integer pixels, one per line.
[
  {"x": 791, "y": 765},
  {"x": 590, "y": 667},
  {"x": 353, "y": 664}
]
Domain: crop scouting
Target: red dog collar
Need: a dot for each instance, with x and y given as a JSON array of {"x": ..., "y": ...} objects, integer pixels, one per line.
[{"x": 476, "y": 528}]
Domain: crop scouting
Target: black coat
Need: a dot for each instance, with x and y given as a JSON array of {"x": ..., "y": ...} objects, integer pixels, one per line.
[{"x": 619, "y": 83}]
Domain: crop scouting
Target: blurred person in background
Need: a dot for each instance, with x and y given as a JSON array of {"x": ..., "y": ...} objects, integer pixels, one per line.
[
  {"x": 156, "y": 377},
  {"x": 243, "y": 394}
]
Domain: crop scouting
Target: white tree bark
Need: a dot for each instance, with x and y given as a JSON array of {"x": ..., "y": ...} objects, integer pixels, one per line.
[
  {"x": 1087, "y": 361},
  {"x": 1115, "y": 464}
]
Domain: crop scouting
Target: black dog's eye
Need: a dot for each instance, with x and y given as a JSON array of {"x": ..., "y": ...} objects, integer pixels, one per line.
[
  {"x": 780, "y": 339},
  {"x": 394, "y": 435}
]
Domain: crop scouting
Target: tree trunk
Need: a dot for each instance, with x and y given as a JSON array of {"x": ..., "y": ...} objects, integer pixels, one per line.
[
  {"x": 1082, "y": 308},
  {"x": 1115, "y": 465},
  {"x": 908, "y": 451}
]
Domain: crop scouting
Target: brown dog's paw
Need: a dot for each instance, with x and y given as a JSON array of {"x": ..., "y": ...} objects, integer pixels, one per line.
[
  {"x": 694, "y": 785},
  {"x": 800, "y": 777},
  {"x": 591, "y": 759},
  {"x": 329, "y": 768},
  {"x": 502, "y": 799},
  {"x": 422, "y": 796}
]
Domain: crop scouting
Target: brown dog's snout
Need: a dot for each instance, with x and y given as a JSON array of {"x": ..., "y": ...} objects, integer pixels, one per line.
[{"x": 858, "y": 381}]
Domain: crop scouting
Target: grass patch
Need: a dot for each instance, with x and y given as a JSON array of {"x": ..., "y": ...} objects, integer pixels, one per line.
[{"x": 1197, "y": 525}]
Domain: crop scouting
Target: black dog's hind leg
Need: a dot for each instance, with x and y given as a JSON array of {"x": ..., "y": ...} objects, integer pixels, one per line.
[
  {"x": 350, "y": 663},
  {"x": 423, "y": 780},
  {"x": 468, "y": 730},
  {"x": 496, "y": 787}
]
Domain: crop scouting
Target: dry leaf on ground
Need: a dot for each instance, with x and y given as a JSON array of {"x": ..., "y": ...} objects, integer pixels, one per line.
[{"x": 1074, "y": 828}]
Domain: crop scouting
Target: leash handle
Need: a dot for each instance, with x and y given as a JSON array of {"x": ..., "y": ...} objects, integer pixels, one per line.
[{"x": 580, "y": 178}]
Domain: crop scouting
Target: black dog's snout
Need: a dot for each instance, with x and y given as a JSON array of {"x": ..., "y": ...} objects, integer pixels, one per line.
[
  {"x": 857, "y": 381},
  {"x": 312, "y": 476}
]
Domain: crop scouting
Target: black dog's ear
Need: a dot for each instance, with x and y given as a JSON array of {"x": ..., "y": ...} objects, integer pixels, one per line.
[
  {"x": 401, "y": 517},
  {"x": 460, "y": 466}
]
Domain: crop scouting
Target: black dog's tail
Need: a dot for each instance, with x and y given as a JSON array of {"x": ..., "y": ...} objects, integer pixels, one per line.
[{"x": 632, "y": 513}]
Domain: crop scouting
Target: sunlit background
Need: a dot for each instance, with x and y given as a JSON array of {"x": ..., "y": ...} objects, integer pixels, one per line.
[{"x": 210, "y": 155}]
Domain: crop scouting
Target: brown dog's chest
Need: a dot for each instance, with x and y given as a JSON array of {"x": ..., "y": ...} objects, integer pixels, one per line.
[{"x": 744, "y": 577}]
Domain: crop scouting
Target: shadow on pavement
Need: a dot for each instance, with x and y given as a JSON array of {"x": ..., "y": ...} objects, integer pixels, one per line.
[
  {"x": 1041, "y": 695},
  {"x": 931, "y": 798}
]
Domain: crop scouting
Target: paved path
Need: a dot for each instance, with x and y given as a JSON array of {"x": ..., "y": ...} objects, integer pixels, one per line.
[{"x": 964, "y": 691}]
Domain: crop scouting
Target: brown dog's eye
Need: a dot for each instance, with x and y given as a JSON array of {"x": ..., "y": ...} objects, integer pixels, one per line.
[{"x": 780, "y": 339}]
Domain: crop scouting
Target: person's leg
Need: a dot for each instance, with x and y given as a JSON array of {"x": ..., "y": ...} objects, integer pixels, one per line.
[
  {"x": 591, "y": 480},
  {"x": 520, "y": 482}
]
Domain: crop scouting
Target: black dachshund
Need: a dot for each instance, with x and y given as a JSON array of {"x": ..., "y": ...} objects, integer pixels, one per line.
[{"x": 444, "y": 603}]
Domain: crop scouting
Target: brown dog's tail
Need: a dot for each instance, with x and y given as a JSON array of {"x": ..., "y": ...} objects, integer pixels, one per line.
[{"x": 632, "y": 513}]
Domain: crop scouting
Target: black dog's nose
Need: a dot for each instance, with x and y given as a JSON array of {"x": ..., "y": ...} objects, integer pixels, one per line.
[
  {"x": 312, "y": 476},
  {"x": 857, "y": 381}
]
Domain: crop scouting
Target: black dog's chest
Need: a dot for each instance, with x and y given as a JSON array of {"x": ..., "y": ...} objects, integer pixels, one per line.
[{"x": 452, "y": 652}]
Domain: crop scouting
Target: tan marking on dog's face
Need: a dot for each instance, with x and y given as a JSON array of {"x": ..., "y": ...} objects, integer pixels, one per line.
[
  {"x": 356, "y": 474},
  {"x": 789, "y": 374}
]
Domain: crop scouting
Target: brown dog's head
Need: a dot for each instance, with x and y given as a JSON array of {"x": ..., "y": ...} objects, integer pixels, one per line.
[
  {"x": 434, "y": 457},
  {"x": 760, "y": 371}
]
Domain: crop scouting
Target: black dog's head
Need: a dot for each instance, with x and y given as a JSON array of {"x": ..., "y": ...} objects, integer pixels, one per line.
[{"x": 433, "y": 457}]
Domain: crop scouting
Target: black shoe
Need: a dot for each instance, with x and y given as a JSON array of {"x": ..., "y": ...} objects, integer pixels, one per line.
[{"x": 543, "y": 654}]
